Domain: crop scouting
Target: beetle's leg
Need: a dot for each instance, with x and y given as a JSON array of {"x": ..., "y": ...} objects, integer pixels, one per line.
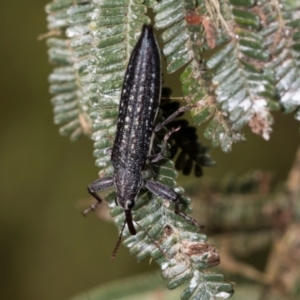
[
  {"x": 172, "y": 117},
  {"x": 167, "y": 193},
  {"x": 96, "y": 186},
  {"x": 163, "y": 191},
  {"x": 159, "y": 156},
  {"x": 191, "y": 220}
]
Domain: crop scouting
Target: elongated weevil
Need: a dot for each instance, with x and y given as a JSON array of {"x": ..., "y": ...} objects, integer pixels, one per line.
[{"x": 140, "y": 99}]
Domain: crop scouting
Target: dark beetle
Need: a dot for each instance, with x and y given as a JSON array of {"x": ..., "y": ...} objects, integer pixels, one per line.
[{"x": 140, "y": 99}]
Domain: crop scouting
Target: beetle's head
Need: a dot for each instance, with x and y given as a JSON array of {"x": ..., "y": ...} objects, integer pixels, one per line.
[
  {"x": 127, "y": 204},
  {"x": 127, "y": 185}
]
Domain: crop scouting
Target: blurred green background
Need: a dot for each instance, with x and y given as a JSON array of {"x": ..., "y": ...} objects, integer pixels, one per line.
[{"x": 47, "y": 249}]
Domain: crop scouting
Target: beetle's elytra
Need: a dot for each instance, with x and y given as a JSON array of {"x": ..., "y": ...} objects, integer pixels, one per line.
[{"x": 139, "y": 103}]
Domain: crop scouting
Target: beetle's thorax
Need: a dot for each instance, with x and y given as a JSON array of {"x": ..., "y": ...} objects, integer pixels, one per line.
[{"x": 127, "y": 184}]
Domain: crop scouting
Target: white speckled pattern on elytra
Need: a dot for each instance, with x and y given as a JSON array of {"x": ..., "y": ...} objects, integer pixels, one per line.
[
  {"x": 137, "y": 111},
  {"x": 138, "y": 107}
]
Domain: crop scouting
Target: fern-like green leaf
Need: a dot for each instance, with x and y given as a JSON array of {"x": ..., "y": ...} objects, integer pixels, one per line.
[
  {"x": 100, "y": 37},
  {"x": 65, "y": 81},
  {"x": 185, "y": 42},
  {"x": 255, "y": 60},
  {"x": 150, "y": 212},
  {"x": 183, "y": 253},
  {"x": 283, "y": 41}
]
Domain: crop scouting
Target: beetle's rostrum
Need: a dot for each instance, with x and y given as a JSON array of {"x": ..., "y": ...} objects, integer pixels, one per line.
[{"x": 139, "y": 103}]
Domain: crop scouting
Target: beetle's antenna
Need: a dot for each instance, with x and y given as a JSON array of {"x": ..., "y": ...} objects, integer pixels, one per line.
[
  {"x": 114, "y": 253},
  {"x": 153, "y": 241}
]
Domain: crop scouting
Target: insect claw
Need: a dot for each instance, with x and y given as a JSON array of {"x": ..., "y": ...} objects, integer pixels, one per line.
[
  {"x": 92, "y": 207},
  {"x": 85, "y": 212}
]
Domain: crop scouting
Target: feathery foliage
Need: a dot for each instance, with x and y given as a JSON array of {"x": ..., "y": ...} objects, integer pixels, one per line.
[
  {"x": 68, "y": 52},
  {"x": 240, "y": 59}
]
